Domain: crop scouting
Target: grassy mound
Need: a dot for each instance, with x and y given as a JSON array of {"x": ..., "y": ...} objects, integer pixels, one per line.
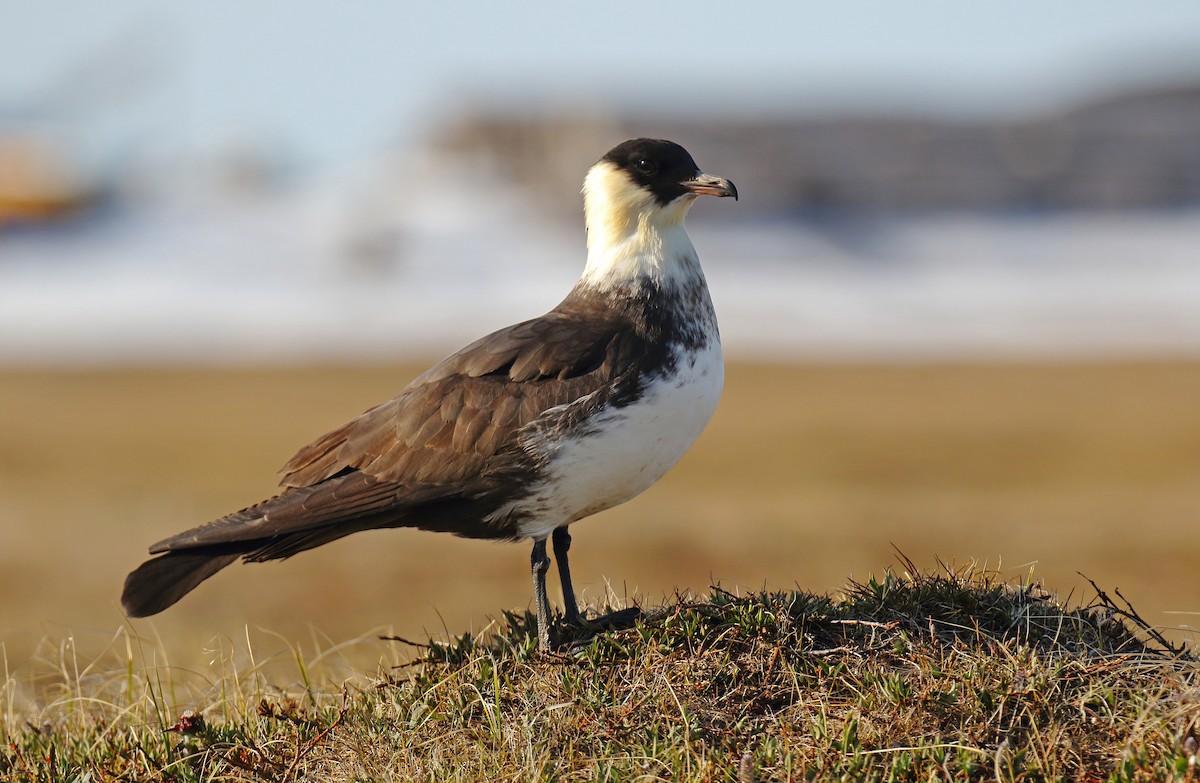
[{"x": 915, "y": 677}]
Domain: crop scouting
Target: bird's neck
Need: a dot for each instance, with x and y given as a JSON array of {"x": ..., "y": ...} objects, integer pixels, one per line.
[{"x": 627, "y": 246}]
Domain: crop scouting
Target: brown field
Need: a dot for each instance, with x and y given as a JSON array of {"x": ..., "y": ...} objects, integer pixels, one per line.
[{"x": 807, "y": 476}]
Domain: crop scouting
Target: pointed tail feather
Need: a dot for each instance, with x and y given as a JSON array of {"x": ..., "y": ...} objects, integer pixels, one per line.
[
  {"x": 292, "y": 522},
  {"x": 160, "y": 582}
]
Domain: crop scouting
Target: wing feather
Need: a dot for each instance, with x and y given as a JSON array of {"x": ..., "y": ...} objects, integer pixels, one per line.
[
  {"x": 441, "y": 453},
  {"x": 450, "y": 422}
]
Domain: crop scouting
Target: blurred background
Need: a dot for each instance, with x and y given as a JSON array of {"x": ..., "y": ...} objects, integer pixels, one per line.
[{"x": 960, "y": 295}]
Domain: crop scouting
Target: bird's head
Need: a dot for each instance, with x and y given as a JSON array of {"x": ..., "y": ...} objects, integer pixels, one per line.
[{"x": 644, "y": 184}]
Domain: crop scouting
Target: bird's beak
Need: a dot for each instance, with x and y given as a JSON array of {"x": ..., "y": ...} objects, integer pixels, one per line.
[{"x": 708, "y": 185}]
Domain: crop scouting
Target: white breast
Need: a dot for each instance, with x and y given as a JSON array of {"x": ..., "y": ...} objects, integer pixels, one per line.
[{"x": 627, "y": 449}]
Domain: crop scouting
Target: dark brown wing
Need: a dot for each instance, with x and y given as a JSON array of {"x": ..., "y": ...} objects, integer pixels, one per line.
[
  {"x": 450, "y": 422},
  {"x": 444, "y": 452}
]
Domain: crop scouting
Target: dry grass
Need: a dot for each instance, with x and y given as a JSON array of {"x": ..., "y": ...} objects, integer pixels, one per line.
[
  {"x": 807, "y": 474},
  {"x": 916, "y": 677}
]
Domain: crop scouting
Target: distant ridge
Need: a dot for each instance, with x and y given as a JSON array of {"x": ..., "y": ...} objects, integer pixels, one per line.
[{"x": 1135, "y": 149}]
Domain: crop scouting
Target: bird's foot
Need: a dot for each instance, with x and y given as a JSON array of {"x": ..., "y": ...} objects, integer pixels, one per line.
[
  {"x": 579, "y": 631},
  {"x": 620, "y": 619}
]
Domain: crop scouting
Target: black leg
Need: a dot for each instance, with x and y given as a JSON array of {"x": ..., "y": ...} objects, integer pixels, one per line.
[
  {"x": 541, "y": 564},
  {"x": 562, "y": 543}
]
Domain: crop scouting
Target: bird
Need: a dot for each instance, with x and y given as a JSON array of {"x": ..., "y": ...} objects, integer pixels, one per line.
[{"x": 525, "y": 431}]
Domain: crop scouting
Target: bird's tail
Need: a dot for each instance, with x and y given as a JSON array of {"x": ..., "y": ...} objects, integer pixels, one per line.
[
  {"x": 289, "y": 523},
  {"x": 271, "y": 530},
  {"x": 163, "y": 580},
  {"x": 160, "y": 582}
]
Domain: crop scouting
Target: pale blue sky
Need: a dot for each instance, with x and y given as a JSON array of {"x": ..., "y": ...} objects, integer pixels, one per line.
[{"x": 332, "y": 80}]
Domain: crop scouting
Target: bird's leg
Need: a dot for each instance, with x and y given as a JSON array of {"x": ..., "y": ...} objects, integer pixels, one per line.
[
  {"x": 619, "y": 619},
  {"x": 541, "y": 564},
  {"x": 562, "y": 543}
]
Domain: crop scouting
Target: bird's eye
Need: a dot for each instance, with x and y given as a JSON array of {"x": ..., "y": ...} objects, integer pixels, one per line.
[{"x": 646, "y": 166}]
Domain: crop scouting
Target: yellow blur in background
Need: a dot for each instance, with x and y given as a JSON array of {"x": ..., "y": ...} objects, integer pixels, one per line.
[{"x": 809, "y": 475}]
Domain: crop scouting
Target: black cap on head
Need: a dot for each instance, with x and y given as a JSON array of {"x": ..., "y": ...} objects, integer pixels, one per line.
[{"x": 660, "y": 166}]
